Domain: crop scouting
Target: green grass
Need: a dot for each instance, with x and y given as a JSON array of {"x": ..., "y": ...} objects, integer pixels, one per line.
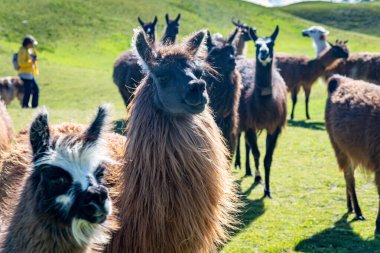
[{"x": 79, "y": 41}]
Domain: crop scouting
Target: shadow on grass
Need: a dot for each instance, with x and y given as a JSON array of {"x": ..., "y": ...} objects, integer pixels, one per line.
[
  {"x": 119, "y": 126},
  {"x": 252, "y": 209},
  {"x": 340, "y": 238},
  {"x": 309, "y": 125}
]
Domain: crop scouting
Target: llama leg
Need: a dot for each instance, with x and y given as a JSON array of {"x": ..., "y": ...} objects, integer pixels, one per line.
[
  {"x": 350, "y": 187},
  {"x": 237, "y": 157},
  {"x": 248, "y": 171},
  {"x": 252, "y": 141},
  {"x": 307, "y": 96},
  {"x": 377, "y": 181},
  {"x": 271, "y": 145},
  {"x": 294, "y": 101}
]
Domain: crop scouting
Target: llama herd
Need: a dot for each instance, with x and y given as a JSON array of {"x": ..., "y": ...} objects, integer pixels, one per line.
[{"x": 166, "y": 185}]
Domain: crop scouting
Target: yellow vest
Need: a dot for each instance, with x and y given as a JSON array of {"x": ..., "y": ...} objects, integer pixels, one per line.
[{"x": 25, "y": 61}]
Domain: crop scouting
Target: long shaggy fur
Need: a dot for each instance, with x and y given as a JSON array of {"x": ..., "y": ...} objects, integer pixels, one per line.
[
  {"x": 11, "y": 87},
  {"x": 6, "y": 130},
  {"x": 178, "y": 195},
  {"x": 13, "y": 178}
]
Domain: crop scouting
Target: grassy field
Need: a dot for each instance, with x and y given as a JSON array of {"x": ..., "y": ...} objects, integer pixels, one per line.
[{"x": 79, "y": 41}]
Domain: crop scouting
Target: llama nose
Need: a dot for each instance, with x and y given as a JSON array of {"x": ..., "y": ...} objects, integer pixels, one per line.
[
  {"x": 197, "y": 86},
  {"x": 97, "y": 194}
]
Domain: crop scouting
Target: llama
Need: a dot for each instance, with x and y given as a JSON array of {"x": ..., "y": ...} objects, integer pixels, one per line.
[
  {"x": 242, "y": 38},
  {"x": 223, "y": 88},
  {"x": 128, "y": 73},
  {"x": 352, "y": 122},
  {"x": 300, "y": 71},
  {"x": 11, "y": 87},
  {"x": 359, "y": 66},
  {"x": 319, "y": 36},
  {"x": 178, "y": 195},
  {"x": 262, "y": 104},
  {"x": 171, "y": 31},
  {"x": 59, "y": 202},
  {"x": 6, "y": 130}
]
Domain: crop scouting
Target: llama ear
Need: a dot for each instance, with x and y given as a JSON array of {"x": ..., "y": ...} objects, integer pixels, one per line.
[
  {"x": 40, "y": 134},
  {"x": 275, "y": 33},
  {"x": 140, "y": 21},
  {"x": 331, "y": 45},
  {"x": 142, "y": 47},
  {"x": 232, "y": 36},
  {"x": 252, "y": 34},
  {"x": 98, "y": 125},
  {"x": 178, "y": 17},
  {"x": 167, "y": 18},
  {"x": 195, "y": 45},
  {"x": 345, "y": 42},
  {"x": 209, "y": 42},
  {"x": 155, "y": 20}
]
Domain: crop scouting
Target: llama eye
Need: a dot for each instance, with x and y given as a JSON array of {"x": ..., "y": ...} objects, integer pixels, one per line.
[
  {"x": 60, "y": 181},
  {"x": 99, "y": 174}
]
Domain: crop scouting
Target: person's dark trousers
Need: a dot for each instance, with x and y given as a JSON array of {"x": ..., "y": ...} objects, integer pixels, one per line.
[{"x": 30, "y": 88}]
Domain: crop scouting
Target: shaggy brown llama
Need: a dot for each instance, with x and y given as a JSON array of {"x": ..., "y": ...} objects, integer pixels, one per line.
[
  {"x": 11, "y": 87},
  {"x": 6, "y": 130},
  {"x": 55, "y": 199},
  {"x": 262, "y": 104},
  {"x": 223, "y": 88},
  {"x": 352, "y": 122},
  {"x": 242, "y": 37},
  {"x": 300, "y": 71},
  {"x": 178, "y": 195}
]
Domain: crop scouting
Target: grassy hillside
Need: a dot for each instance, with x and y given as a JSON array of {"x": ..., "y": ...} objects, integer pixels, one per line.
[
  {"x": 79, "y": 41},
  {"x": 362, "y": 18}
]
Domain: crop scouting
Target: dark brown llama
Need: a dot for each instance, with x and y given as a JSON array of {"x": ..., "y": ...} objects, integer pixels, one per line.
[
  {"x": 171, "y": 31},
  {"x": 262, "y": 104},
  {"x": 178, "y": 195},
  {"x": 59, "y": 202},
  {"x": 352, "y": 122},
  {"x": 223, "y": 88},
  {"x": 300, "y": 71}
]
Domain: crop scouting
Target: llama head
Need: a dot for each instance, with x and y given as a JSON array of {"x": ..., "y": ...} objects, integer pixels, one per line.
[
  {"x": 149, "y": 28},
  {"x": 339, "y": 49},
  {"x": 172, "y": 26},
  {"x": 244, "y": 29},
  {"x": 264, "y": 46},
  {"x": 176, "y": 73},
  {"x": 67, "y": 175},
  {"x": 221, "y": 56},
  {"x": 317, "y": 33}
]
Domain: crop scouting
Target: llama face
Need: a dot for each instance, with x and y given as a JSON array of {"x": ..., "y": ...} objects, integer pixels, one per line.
[
  {"x": 222, "y": 58},
  {"x": 264, "y": 46},
  {"x": 340, "y": 50},
  {"x": 68, "y": 173},
  {"x": 172, "y": 25},
  {"x": 316, "y": 33},
  {"x": 149, "y": 28},
  {"x": 176, "y": 73}
]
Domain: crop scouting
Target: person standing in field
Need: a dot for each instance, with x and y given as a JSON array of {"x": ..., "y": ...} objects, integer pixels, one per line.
[{"x": 28, "y": 70}]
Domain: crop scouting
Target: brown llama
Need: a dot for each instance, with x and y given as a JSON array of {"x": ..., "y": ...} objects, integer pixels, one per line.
[
  {"x": 178, "y": 195},
  {"x": 11, "y": 87},
  {"x": 57, "y": 200},
  {"x": 352, "y": 122},
  {"x": 359, "y": 66},
  {"x": 300, "y": 71},
  {"x": 262, "y": 104},
  {"x": 223, "y": 88},
  {"x": 6, "y": 130},
  {"x": 242, "y": 37},
  {"x": 127, "y": 72}
]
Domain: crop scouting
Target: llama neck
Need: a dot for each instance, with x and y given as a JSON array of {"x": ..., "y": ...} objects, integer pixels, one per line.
[
  {"x": 263, "y": 75},
  {"x": 320, "y": 45},
  {"x": 168, "y": 38},
  {"x": 240, "y": 44},
  {"x": 29, "y": 232},
  {"x": 319, "y": 65},
  {"x": 178, "y": 191}
]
